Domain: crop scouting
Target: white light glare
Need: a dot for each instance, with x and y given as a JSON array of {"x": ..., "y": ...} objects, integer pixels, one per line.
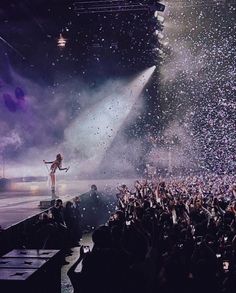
[
  {"x": 165, "y": 43},
  {"x": 158, "y": 50},
  {"x": 159, "y": 17},
  {"x": 61, "y": 42},
  {"x": 93, "y": 132},
  {"x": 159, "y": 34}
]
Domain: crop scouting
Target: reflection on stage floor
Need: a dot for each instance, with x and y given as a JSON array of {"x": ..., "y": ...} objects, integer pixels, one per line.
[{"x": 22, "y": 201}]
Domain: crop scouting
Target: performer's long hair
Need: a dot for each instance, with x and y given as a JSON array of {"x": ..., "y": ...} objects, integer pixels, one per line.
[{"x": 59, "y": 159}]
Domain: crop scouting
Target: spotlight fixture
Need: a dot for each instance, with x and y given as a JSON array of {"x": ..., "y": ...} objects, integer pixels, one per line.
[
  {"x": 156, "y": 13},
  {"x": 61, "y": 41},
  {"x": 159, "y": 17}
]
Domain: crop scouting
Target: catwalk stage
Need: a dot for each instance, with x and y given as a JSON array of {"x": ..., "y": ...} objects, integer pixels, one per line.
[{"x": 22, "y": 201}]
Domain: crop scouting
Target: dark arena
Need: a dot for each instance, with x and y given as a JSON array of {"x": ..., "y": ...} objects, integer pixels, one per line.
[{"x": 117, "y": 146}]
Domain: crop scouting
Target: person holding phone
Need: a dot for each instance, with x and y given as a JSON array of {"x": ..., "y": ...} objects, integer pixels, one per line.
[{"x": 75, "y": 275}]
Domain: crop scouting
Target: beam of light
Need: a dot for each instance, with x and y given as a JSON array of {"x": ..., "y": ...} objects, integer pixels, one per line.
[
  {"x": 91, "y": 134},
  {"x": 10, "y": 46}
]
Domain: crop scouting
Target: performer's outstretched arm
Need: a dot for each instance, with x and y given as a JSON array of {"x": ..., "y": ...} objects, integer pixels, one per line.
[
  {"x": 47, "y": 162},
  {"x": 62, "y": 169}
]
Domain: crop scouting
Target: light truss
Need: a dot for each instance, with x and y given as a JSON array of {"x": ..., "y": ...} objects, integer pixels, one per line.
[{"x": 107, "y": 6}]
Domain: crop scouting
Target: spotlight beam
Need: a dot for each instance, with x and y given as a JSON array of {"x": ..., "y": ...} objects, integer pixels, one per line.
[{"x": 91, "y": 134}]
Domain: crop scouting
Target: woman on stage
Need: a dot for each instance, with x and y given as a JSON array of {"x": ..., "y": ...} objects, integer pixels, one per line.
[{"x": 57, "y": 164}]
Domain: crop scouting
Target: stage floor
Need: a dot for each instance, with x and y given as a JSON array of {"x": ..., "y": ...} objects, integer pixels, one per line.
[{"x": 22, "y": 201}]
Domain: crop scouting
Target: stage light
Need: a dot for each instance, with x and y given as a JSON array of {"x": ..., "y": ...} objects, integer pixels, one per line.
[
  {"x": 61, "y": 41},
  {"x": 160, "y": 18},
  {"x": 165, "y": 44},
  {"x": 159, "y": 34},
  {"x": 160, "y": 7}
]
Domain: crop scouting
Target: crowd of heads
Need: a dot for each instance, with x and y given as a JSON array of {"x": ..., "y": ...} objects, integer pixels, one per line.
[
  {"x": 177, "y": 235},
  {"x": 62, "y": 226},
  {"x": 59, "y": 227}
]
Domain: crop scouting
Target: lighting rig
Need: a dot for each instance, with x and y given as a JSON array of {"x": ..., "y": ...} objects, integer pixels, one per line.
[{"x": 107, "y": 6}]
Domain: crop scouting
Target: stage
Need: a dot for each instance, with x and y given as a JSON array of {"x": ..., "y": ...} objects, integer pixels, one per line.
[{"x": 22, "y": 201}]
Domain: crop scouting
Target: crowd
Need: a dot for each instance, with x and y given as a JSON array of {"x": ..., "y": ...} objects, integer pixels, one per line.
[
  {"x": 59, "y": 228},
  {"x": 62, "y": 226},
  {"x": 177, "y": 235}
]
